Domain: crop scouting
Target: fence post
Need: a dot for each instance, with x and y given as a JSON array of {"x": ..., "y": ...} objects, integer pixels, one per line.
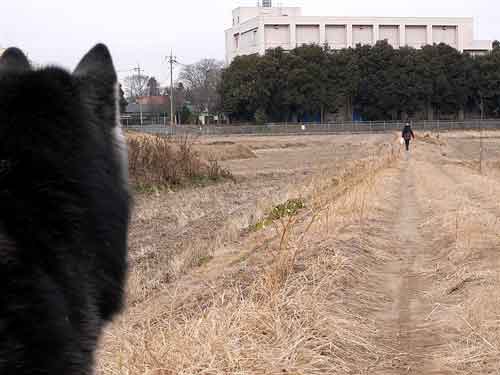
[{"x": 481, "y": 149}]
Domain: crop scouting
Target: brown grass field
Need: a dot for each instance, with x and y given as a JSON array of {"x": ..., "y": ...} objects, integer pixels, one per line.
[{"x": 321, "y": 255}]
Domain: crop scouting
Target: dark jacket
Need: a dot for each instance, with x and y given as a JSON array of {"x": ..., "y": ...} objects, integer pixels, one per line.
[{"x": 408, "y": 133}]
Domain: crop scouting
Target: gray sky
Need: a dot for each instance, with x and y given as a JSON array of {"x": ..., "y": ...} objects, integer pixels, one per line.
[{"x": 144, "y": 31}]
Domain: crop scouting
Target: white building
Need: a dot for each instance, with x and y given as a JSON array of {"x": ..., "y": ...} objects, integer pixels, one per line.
[{"x": 256, "y": 29}]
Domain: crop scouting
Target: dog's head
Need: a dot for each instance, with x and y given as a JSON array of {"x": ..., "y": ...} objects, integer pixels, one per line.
[
  {"x": 49, "y": 118},
  {"x": 63, "y": 161}
]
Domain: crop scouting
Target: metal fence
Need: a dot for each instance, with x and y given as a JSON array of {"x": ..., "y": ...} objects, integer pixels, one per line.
[
  {"x": 310, "y": 129},
  {"x": 146, "y": 119}
]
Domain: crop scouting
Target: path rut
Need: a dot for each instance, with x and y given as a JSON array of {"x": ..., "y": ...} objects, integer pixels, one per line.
[{"x": 405, "y": 326}]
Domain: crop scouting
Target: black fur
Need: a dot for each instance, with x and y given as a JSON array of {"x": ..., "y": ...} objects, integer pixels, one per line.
[{"x": 64, "y": 211}]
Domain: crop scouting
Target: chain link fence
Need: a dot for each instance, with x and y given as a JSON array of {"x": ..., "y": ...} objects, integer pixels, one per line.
[{"x": 310, "y": 129}]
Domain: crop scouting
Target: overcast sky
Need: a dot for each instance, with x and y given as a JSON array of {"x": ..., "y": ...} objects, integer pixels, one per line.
[{"x": 144, "y": 31}]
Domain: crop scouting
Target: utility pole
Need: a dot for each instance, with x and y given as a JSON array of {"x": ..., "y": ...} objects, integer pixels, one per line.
[
  {"x": 172, "y": 60},
  {"x": 138, "y": 69}
]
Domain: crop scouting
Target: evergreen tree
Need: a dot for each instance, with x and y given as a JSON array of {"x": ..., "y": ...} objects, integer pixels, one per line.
[
  {"x": 378, "y": 83},
  {"x": 238, "y": 88}
]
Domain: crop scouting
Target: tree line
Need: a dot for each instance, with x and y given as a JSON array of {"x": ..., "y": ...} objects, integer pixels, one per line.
[{"x": 364, "y": 83}]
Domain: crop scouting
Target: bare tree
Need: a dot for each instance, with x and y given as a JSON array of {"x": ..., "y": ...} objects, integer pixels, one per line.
[
  {"x": 135, "y": 86},
  {"x": 153, "y": 88},
  {"x": 201, "y": 80}
]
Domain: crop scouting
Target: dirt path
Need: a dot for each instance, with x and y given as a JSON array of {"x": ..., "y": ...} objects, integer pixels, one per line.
[
  {"x": 444, "y": 261},
  {"x": 405, "y": 325}
]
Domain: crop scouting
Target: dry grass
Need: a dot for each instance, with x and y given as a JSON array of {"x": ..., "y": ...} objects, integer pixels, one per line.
[
  {"x": 274, "y": 311},
  {"x": 156, "y": 162},
  {"x": 173, "y": 232},
  {"x": 222, "y": 151},
  {"x": 260, "y": 329},
  {"x": 303, "y": 294},
  {"x": 466, "y": 270},
  {"x": 435, "y": 139}
]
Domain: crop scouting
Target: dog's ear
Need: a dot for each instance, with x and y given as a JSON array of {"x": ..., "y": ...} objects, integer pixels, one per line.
[
  {"x": 97, "y": 76},
  {"x": 13, "y": 59},
  {"x": 98, "y": 64}
]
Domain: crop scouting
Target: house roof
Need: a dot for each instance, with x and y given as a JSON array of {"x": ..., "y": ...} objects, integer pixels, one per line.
[{"x": 153, "y": 100}]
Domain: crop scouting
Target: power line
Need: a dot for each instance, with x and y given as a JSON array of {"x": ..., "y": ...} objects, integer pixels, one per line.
[{"x": 125, "y": 70}]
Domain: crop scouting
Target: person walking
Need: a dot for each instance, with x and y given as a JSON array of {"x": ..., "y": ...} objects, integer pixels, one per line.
[{"x": 408, "y": 135}]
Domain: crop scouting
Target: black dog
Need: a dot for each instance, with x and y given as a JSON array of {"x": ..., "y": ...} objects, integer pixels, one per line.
[{"x": 64, "y": 212}]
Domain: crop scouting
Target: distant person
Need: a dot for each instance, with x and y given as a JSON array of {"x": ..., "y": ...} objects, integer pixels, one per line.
[{"x": 408, "y": 135}]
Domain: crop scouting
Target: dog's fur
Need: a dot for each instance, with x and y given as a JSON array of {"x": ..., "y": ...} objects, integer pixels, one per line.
[{"x": 64, "y": 211}]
